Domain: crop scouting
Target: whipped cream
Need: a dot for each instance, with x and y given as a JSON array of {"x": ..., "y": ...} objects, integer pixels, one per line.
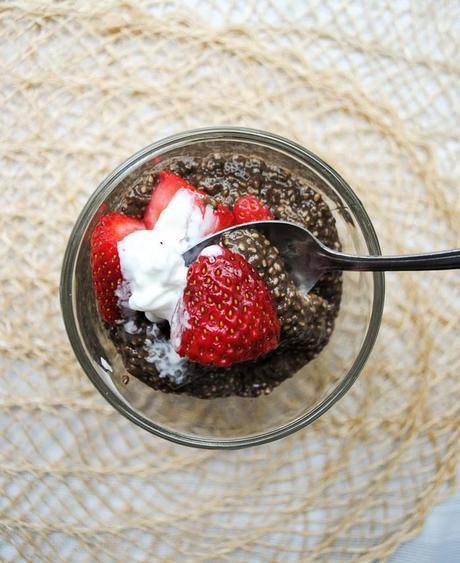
[
  {"x": 155, "y": 271},
  {"x": 151, "y": 260},
  {"x": 212, "y": 251}
]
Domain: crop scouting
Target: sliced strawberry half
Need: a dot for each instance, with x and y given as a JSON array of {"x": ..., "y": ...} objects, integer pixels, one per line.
[
  {"x": 224, "y": 218},
  {"x": 227, "y": 314},
  {"x": 105, "y": 263},
  {"x": 166, "y": 188}
]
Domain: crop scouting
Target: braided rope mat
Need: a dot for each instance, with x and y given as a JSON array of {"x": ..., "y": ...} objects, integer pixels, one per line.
[{"x": 375, "y": 91}]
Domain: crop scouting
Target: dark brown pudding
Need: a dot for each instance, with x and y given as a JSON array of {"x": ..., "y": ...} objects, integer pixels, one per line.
[{"x": 306, "y": 321}]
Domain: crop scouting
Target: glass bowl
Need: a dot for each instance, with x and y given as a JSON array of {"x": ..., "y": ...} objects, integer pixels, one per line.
[{"x": 235, "y": 421}]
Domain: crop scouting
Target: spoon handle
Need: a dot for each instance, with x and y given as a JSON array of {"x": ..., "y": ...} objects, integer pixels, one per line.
[{"x": 445, "y": 260}]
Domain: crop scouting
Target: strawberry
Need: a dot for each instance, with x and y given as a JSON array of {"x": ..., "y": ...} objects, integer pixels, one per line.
[
  {"x": 224, "y": 217},
  {"x": 167, "y": 186},
  {"x": 105, "y": 264},
  {"x": 226, "y": 314},
  {"x": 248, "y": 208}
]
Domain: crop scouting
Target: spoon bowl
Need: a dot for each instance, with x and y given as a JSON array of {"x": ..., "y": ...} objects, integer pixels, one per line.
[{"x": 301, "y": 251}]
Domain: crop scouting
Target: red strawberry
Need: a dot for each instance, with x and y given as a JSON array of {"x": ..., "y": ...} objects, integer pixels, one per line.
[
  {"x": 248, "y": 208},
  {"x": 226, "y": 314},
  {"x": 105, "y": 264},
  {"x": 224, "y": 217},
  {"x": 167, "y": 186}
]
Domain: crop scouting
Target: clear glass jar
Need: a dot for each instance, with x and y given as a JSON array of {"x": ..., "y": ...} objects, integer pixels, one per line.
[{"x": 231, "y": 422}]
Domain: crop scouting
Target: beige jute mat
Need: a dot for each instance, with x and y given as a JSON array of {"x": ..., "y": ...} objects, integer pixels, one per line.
[{"x": 373, "y": 88}]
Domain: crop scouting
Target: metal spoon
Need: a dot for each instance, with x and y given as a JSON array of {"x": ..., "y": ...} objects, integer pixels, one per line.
[{"x": 307, "y": 259}]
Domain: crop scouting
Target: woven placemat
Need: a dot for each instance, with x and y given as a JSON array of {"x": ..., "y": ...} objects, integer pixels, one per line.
[{"x": 375, "y": 91}]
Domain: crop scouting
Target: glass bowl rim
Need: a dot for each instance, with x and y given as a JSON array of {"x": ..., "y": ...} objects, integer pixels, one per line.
[{"x": 181, "y": 139}]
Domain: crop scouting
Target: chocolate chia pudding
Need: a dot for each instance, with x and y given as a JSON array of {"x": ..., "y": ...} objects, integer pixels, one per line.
[{"x": 306, "y": 322}]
